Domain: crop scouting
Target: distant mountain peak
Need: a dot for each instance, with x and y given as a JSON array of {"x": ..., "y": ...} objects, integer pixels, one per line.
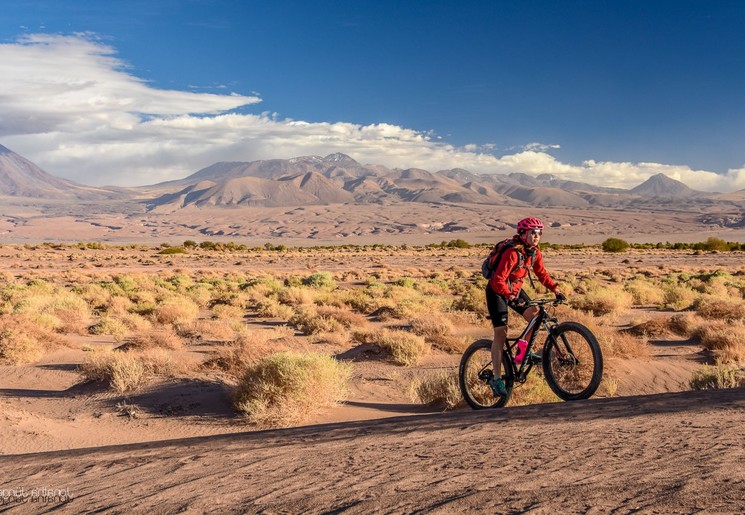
[
  {"x": 660, "y": 185},
  {"x": 19, "y": 177},
  {"x": 338, "y": 157}
]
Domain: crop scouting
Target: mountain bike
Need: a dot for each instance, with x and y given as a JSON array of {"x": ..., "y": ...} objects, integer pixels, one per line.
[{"x": 571, "y": 360}]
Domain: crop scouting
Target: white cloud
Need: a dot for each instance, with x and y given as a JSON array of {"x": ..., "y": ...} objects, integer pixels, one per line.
[{"x": 70, "y": 105}]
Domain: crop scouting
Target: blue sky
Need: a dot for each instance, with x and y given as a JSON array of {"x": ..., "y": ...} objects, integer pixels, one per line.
[{"x": 607, "y": 92}]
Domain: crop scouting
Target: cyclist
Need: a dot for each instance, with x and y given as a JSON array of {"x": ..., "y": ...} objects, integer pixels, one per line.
[{"x": 504, "y": 289}]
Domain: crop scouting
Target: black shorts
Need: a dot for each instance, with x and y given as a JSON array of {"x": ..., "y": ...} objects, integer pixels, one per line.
[{"x": 497, "y": 306}]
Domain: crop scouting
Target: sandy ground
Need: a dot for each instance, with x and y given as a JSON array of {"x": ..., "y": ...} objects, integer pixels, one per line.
[
  {"x": 178, "y": 445},
  {"x": 392, "y": 223},
  {"x": 664, "y": 453}
]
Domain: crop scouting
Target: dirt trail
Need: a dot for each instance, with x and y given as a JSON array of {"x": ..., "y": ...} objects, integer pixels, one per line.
[{"x": 676, "y": 452}]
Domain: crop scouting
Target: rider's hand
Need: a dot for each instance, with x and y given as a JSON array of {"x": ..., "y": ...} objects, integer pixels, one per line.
[
  {"x": 519, "y": 302},
  {"x": 560, "y": 296}
]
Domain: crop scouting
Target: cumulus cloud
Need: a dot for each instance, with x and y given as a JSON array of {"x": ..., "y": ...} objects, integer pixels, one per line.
[{"x": 72, "y": 106}]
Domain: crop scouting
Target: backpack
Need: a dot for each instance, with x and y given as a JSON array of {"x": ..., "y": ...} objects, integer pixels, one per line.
[{"x": 489, "y": 266}]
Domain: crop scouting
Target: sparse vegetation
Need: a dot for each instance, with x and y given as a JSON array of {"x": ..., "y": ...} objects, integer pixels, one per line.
[
  {"x": 231, "y": 320},
  {"x": 286, "y": 388}
]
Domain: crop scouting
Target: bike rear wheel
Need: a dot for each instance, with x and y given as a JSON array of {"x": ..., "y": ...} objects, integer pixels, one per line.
[
  {"x": 476, "y": 369},
  {"x": 572, "y": 361}
]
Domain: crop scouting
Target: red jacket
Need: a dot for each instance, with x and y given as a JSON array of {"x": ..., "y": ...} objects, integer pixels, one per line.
[{"x": 508, "y": 278}]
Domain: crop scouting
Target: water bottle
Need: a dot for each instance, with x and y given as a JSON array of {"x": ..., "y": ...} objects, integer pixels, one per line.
[{"x": 522, "y": 346}]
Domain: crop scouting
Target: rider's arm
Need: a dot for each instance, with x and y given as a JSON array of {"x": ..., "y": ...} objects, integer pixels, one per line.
[
  {"x": 542, "y": 274},
  {"x": 506, "y": 265}
]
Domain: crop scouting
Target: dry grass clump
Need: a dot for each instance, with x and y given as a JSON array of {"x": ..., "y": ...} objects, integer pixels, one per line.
[
  {"x": 209, "y": 330},
  {"x": 287, "y": 388},
  {"x": 249, "y": 348},
  {"x": 227, "y": 312},
  {"x": 605, "y": 301},
  {"x": 438, "y": 389},
  {"x": 715, "y": 377},
  {"x": 725, "y": 308},
  {"x": 348, "y": 319},
  {"x": 678, "y": 297},
  {"x": 271, "y": 308},
  {"x": 404, "y": 347},
  {"x": 645, "y": 293},
  {"x": 307, "y": 320},
  {"x": 437, "y": 330},
  {"x": 110, "y": 326},
  {"x": 175, "y": 311},
  {"x": 613, "y": 343},
  {"x": 297, "y": 296},
  {"x": 60, "y": 310},
  {"x": 164, "y": 338},
  {"x": 23, "y": 341},
  {"x": 728, "y": 338},
  {"x": 534, "y": 391},
  {"x": 130, "y": 371}
]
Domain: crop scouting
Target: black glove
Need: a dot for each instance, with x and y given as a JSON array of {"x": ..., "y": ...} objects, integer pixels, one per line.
[
  {"x": 519, "y": 302},
  {"x": 560, "y": 297}
]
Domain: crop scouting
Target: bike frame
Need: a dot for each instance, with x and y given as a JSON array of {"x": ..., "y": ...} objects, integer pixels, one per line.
[{"x": 541, "y": 319}]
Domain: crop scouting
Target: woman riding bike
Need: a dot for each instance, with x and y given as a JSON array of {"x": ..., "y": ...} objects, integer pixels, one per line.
[{"x": 504, "y": 289}]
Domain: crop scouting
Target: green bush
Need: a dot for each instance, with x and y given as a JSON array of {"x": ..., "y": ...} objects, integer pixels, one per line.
[{"x": 615, "y": 245}]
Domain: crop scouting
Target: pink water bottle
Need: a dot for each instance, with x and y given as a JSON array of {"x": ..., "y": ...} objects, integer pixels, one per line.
[{"x": 522, "y": 346}]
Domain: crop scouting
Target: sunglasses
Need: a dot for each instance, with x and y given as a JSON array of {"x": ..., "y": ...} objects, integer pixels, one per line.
[{"x": 536, "y": 232}]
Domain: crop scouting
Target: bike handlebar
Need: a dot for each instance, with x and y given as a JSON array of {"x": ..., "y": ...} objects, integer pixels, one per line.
[{"x": 543, "y": 302}]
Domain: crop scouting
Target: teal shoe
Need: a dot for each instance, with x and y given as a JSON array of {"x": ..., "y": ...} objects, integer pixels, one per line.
[{"x": 497, "y": 386}]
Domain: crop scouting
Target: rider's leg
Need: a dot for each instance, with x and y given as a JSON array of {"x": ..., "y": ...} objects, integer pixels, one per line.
[
  {"x": 528, "y": 315},
  {"x": 497, "y": 346}
]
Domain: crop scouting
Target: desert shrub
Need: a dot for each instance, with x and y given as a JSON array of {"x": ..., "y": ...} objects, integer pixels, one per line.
[
  {"x": 161, "y": 338},
  {"x": 110, "y": 326},
  {"x": 645, "y": 293},
  {"x": 176, "y": 310},
  {"x": 534, "y": 391},
  {"x": 348, "y": 319},
  {"x": 472, "y": 299},
  {"x": 320, "y": 280},
  {"x": 287, "y": 388},
  {"x": 438, "y": 389},
  {"x": 307, "y": 320},
  {"x": 123, "y": 371},
  {"x": 684, "y": 324},
  {"x": 172, "y": 250},
  {"x": 130, "y": 371},
  {"x": 720, "y": 308},
  {"x": 431, "y": 325},
  {"x": 249, "y": 348},
  {"x": 607, "y": 301},
  {"x": 22, "y": 341},
  {"x": 65, "y": 311},
  {"x": 726, "y": 337},
  {"x": 297, "y": 296},
  {"x": 678, "y": 297},
  {"x": 227, "y": 312},
  {"x": 271, "y": 308},
  {"x": 613, "y": 343},
  {"x": 615, "y": 245},
  {"x": 208, "y": 330},
  {"x": 405, "y": 282},
  {"x": 715, "y": 377},
  {"x": 405, "y": 348}
]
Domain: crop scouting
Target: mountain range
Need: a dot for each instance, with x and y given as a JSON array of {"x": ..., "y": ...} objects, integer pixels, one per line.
[{"x": 339, "y": 179}]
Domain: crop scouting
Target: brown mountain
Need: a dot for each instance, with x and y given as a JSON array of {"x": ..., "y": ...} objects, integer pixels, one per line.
[
  {"x": 19, "y": 177},
  {"x": 661, "y": 185}
]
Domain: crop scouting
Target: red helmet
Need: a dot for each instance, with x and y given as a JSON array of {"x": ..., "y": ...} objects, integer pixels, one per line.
[{"x": 527, "y": 224}]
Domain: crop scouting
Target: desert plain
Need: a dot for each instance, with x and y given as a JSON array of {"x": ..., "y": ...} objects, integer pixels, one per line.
[{"x": 176, "y": 442}]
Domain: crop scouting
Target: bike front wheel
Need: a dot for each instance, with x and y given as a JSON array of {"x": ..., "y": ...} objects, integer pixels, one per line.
[
  {"x": 572, "y": 361},
  {"x": 474, "y": 372}
]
